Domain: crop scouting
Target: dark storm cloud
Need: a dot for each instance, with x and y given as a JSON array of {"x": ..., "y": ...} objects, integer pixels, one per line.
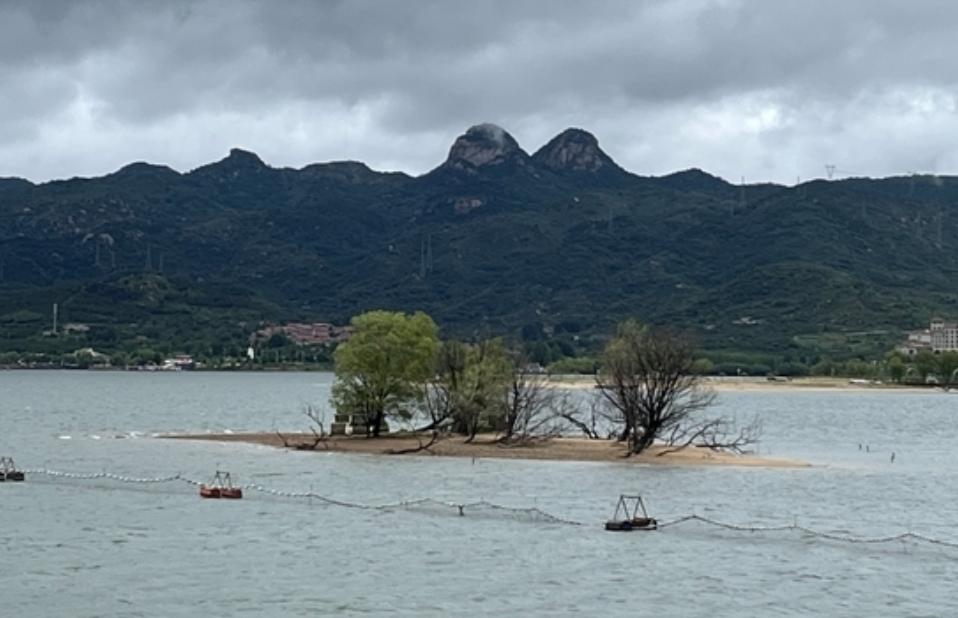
[{"x": 770, "y": 90}]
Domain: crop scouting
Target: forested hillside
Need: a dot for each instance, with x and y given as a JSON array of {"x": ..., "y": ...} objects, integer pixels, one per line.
[{"x": 560, "y": 243}]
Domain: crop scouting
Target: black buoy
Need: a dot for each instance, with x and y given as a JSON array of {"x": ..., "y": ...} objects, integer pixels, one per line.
[{"x": 8, "y": 470}]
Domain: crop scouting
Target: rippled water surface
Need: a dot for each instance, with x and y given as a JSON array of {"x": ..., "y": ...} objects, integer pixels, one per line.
[{"x": 71, "y": 547}]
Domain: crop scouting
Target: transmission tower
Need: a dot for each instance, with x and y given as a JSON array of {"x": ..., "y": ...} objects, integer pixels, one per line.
[
  {"x": 425, "y": 257},
  {"x": 429, "y": 253}
]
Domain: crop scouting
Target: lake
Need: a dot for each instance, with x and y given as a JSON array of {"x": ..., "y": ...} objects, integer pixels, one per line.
[{"x": 108, "y": 548}]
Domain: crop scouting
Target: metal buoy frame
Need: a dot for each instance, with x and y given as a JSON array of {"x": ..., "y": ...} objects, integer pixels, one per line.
[
  {"x": 221, "y": 487},
  {"x": 630, "y": 514},
  {"x": 9, "y": 471}
]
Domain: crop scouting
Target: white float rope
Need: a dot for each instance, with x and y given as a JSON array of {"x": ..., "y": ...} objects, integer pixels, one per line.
[
  {"x": 106, "y": 475},
  {"x": 462, "y": 508},
  {"x": 846, "y": 538}
]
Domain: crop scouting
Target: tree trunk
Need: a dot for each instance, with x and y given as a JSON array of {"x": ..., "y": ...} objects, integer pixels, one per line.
[{"x": 640, "y": 440}]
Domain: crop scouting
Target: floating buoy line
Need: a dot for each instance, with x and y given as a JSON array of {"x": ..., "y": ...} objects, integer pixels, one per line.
[{"x": 480, "y": 508}]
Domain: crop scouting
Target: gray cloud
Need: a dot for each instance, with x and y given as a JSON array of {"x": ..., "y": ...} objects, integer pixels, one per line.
[{"x": 765, "y": 90}]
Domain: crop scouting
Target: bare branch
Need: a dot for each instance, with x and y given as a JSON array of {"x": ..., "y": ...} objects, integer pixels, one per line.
[
  {"x": 434, "y": 437},
  {"x": 649, "y": 379},
  {"x": 717, "y": 434},
  {"x": 570, "y": 413},
  {"x": 532, "y": 406},
  {"x": 318, "y": 429}
]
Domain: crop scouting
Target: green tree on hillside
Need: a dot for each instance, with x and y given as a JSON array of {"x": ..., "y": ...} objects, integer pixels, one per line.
[
  {"x": 925, "y": 364},
  {"x": 380, "y": 369},
  {"x": 896, "y": 367},
  {"x": 946, "y": 367}
]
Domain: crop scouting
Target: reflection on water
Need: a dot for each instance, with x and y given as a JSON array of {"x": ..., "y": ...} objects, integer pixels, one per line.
[{"x": 105, "y": 548}]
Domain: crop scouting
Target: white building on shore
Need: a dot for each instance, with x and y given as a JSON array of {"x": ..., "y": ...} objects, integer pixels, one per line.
[{"x": 941, "y": 336}]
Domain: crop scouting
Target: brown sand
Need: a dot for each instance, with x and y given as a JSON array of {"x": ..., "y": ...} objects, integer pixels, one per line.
[
  {"x": 796, "y": 385},
  {"x": 574, "y": 449},
  {"x": 557, "y": 449}
]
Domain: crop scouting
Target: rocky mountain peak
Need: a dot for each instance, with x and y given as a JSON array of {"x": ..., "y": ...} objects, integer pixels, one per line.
[
  {"x": 244, "y": 158},
  {"x": 239, "y": 162},
  {"x": 483, "y": 144},
  {"x": 573, "y": 150}
]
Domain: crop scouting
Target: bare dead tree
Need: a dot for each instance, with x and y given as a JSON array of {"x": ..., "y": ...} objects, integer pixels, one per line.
[
  {"x": 441, "y": 396},
  {"x": 533, "y": 408},
  {"x": 437, "y": 408},
  {"x": 317, "y": 428},
  {"x": 586, "y": 421},
  {"x": 717, "y": 434},
  {"x": 648, "y": 377},
  {"x": 425, "y": 439}
]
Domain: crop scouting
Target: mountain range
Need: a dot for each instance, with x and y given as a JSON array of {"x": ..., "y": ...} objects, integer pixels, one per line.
[{"x": 562, "y": 242}]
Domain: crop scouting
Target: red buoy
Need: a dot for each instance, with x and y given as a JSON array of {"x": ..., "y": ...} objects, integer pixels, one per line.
[
  {"x": 209, "y": 492},
  {"x": 221, "y": 487}
]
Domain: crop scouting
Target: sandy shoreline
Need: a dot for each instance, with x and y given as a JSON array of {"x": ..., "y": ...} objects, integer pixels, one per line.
[
  {"x": 556, "y": 449},
  {"x": 573, "y": 449},
  {"x": 801, "y": 385}
]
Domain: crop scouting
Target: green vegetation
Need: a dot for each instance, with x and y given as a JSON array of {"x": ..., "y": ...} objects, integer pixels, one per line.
[
  {"x": 471, "y": 385},
  {"x": 157, "y": 262},
  {"x": 380, "y": 369},
  {"x": 146, "y": 318},
  {"x": 395, "y": 368}
]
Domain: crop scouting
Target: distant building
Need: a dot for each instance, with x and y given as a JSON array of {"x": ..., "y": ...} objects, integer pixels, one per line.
[
  {"x": 319, "y": 333},
  {"x": 942, "y": 336},
  {"x": 95, "y": 358},
  {"x": 178, "y": 363}
]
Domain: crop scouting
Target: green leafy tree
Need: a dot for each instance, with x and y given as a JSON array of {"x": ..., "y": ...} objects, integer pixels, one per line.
[
  {"x": 947, "y": 366},
  {"x": 479, "y": 396},
  {"x": 857, "y": 368},
  {"x": 925, "y": 364},
  {"x": 824, "y": 367},
  {"x": 896, "y": 367},
  {"x": 470, "y": 386},
  {"x": 582, "y": 365},
  {"x": 381, "y": 368}
]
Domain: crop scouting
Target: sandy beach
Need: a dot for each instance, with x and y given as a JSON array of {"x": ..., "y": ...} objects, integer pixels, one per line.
[
  {"x": 781, "y": 385},
  {"x": 556, "y": 449}
]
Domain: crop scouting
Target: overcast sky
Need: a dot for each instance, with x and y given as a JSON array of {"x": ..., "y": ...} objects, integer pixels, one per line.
[{"x": 769, "y": 90}]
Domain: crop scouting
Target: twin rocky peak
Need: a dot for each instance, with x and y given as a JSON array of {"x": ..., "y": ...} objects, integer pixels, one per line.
[
  {"x": 484, "y": 146},
  {"x": 488, "y": 145}
]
